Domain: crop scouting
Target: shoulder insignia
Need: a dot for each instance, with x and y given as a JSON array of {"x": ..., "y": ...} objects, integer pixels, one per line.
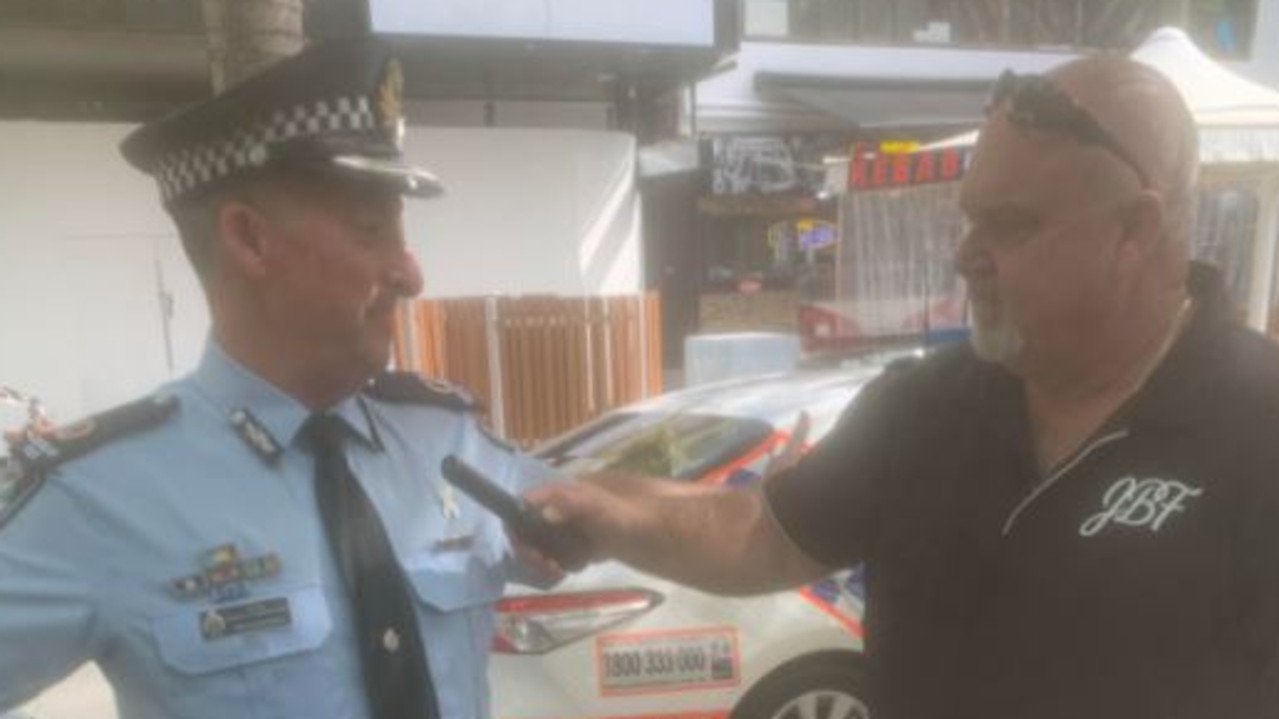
[
  {"x": 33, "y": 457},
  {"x": 44, "y": 452},
  {"x": 413, "y": 388}
]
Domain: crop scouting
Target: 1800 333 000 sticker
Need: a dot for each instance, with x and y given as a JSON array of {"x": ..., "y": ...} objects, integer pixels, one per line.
[{"x": 662, "y": 661}]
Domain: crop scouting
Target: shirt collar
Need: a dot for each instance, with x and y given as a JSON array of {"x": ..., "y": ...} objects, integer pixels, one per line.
[
  {"x": 1179, "y": 383},
  {"x": 355, "y": 412},
  {"x": 232, "y": 386}
]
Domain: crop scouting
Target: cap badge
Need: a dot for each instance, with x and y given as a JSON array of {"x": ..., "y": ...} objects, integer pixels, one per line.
[{"x": 390, "y": 100}]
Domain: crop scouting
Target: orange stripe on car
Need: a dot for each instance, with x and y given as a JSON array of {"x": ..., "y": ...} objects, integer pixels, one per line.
[
  {"x": 766, "y": 445},
  {"x": 850, "y": 622}
]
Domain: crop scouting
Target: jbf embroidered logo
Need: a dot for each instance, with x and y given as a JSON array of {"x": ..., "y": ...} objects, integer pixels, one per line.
[{"x": 1136, "y": 502}]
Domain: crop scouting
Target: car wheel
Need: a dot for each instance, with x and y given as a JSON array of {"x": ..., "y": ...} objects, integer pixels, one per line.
[{"x": 823, "y": 686}]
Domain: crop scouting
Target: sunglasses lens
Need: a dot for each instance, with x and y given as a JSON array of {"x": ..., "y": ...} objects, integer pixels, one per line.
[
  {"x": 1034, "y": 103},
  {"x": 1003, "y": 88}
]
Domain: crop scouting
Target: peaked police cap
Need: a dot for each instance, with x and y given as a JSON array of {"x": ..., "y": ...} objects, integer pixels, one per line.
[{"x": 336, "y": 106}]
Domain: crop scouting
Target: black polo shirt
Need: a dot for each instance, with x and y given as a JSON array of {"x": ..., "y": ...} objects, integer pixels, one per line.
[{"x": 1140, "y": 579}]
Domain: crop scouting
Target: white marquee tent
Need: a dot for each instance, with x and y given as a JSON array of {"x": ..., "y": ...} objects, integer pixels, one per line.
[{"x": 1238, "y": 136}]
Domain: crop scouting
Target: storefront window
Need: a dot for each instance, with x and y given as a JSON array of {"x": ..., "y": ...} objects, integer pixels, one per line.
[
  {"x": 758, "y": 254},
  {"x": 1225, "y": 233},
  {"x": 1222, "y": 27}
]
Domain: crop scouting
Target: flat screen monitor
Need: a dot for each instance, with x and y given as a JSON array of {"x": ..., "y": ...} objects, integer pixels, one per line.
[{"x": 674, "y": 23}]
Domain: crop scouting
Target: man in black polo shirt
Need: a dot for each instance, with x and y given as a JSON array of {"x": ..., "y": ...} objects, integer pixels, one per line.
[{"x": 1077, "y": 513}]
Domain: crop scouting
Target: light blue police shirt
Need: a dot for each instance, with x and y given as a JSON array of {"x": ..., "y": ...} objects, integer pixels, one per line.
[{"x": 93, "y": 567}]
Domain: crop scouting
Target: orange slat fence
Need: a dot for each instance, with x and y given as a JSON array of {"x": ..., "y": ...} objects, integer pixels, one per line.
[{"x": 540, "y": 364}]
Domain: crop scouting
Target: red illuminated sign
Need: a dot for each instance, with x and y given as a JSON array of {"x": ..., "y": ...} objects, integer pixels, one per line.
[{"x": 875, "y": 170}]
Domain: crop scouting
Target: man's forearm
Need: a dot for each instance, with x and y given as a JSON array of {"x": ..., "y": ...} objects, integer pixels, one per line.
[{"x": 721, "y": 540}]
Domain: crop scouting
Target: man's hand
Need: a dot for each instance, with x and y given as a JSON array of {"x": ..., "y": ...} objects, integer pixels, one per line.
[
  {"x": 538, "y": 570},
  {"x": 715, "y": 538},
  {"x": 592, "y": 506},
  {"x": 39, "y": 427}
]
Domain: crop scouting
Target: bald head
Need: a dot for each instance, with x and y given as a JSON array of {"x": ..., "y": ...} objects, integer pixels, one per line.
[
  {"x": 1079, "y": 221},
  {"x": 1146, "y": 114}
]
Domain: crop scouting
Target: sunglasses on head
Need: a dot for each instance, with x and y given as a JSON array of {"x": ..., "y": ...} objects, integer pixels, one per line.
[{"x": 1034, "y": 103}]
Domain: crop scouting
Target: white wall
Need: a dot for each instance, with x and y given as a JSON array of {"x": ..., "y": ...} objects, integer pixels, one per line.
[
  {"x": 546, "y": 211},
  {"x": 82, "y": 241},
  {"x": 85, "y": 247}
]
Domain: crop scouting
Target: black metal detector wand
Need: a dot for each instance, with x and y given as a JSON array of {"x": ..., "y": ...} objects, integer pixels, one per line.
[{"x": 565, "y": 545}]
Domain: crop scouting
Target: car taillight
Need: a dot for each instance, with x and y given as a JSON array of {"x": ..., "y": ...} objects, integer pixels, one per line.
[{"x": 539, "y": 623}]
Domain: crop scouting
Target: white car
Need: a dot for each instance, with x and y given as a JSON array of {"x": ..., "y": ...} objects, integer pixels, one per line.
[{"x": 613, "y": 642}]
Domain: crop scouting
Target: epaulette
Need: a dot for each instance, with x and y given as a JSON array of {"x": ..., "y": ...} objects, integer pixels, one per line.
[
  {"x": 413, "y": 388},
  {"x": 33, "y": 457}
]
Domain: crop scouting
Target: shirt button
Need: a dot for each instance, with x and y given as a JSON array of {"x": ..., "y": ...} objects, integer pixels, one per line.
[{"x": 391, "y": 641}]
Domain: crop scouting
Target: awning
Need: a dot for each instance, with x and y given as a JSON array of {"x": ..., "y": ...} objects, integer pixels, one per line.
[{"x": 883, "y": 102}]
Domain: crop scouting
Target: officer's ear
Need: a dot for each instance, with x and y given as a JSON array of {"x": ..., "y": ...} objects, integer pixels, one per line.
[{"x": 242, "y": 229}]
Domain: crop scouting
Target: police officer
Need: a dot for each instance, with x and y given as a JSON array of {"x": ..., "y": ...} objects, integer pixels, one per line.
[{"x": 270, "y": 536}]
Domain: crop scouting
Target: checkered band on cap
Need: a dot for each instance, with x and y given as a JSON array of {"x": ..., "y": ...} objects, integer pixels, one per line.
[{"x": 194, "y": 166}]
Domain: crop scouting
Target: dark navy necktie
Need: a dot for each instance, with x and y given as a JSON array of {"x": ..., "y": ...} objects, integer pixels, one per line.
[{"x": 397, "y": 677}]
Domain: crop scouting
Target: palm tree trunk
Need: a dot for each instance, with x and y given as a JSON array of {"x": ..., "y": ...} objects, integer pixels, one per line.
[{"x": 245, "y": 36}]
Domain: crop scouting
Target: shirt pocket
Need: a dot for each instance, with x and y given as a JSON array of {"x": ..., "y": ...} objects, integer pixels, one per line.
[
  {"x": 455, "y": 593},
  {"x": 270, "y": 673},
  {"x": 184, "y": 648},
  {"x": 447, "y": 583}
]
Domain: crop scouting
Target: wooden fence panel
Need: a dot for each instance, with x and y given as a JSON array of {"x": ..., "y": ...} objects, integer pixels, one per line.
[
  {"x": 430, "y": 328},
  {"x": 465, "y": 348},
  {"x": 402, "y": 339},
  {"x": 599, "y": 356},
  {"x": 653, "y": 328},
  {"x": 623, "y": 350},
  {"x": 563, "y": 361}
]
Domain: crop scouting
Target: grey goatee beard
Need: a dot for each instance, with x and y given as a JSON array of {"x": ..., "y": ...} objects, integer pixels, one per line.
[{"x": 999, "y": 342}]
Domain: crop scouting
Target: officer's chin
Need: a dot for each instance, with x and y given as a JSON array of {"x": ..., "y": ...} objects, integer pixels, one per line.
[{"x": 376, "y": 357}]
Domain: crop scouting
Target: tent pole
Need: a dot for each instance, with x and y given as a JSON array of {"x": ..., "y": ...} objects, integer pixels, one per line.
[{"x": 1261, "y": 289}]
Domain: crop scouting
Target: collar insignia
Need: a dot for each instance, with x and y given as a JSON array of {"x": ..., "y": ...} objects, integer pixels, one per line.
[
  {"x": 256, "y": 435},
  {"x": 448, "y": 502}
]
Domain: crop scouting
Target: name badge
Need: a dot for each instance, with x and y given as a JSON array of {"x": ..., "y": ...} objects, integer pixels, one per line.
[
  {"x": 459, "y": 543},
  {"x": 222, "y": 622}
]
